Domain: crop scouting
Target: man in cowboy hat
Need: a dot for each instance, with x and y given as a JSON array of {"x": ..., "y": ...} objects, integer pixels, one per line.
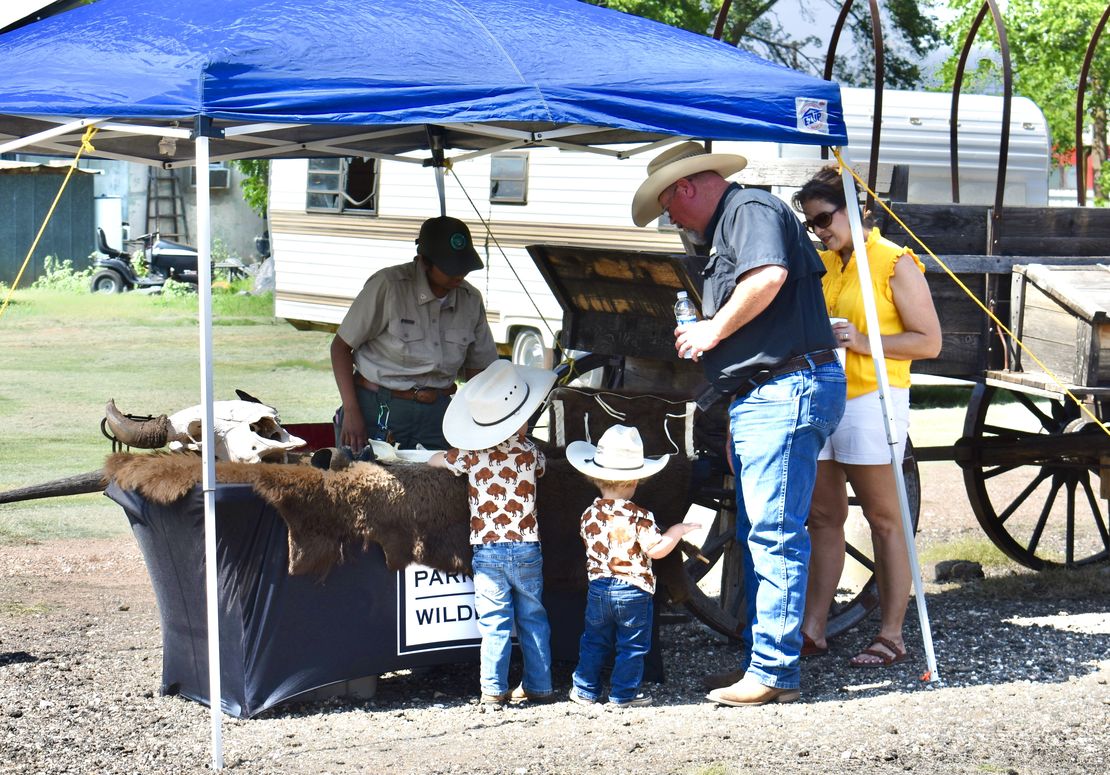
[
  {"x": 406, "y": 337},
  {"x": 765, "y": 341}
]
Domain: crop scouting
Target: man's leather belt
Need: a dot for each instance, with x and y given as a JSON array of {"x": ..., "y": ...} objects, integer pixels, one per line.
[
  {"x": 797, "y": 363},
  {"x": 421, "y": 395}
]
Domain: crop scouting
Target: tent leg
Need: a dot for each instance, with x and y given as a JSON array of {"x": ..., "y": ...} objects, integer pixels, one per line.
[
  {"x": 208, "y": 477},
  {"x": 864, "y": 269}
]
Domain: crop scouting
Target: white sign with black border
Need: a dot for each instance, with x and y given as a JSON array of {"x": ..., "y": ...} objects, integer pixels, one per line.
[{"x": 435, "y": 610}]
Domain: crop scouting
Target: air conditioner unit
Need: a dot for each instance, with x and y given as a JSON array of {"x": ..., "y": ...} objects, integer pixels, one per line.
[{"x": 219, "y": 176}]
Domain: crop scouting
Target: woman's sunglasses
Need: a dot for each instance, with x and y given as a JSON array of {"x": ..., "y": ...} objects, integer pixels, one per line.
[{"x": 822, "y": 220}]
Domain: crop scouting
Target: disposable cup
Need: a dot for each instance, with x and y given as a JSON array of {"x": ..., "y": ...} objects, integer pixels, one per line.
[{"x": 841, "y": 352}]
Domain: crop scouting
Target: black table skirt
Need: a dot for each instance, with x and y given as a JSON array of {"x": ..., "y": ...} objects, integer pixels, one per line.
[{"x": 283, "y": 635}]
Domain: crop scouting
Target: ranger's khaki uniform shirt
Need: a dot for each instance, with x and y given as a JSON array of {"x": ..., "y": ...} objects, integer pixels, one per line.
[{"x": 404, "y": 337}]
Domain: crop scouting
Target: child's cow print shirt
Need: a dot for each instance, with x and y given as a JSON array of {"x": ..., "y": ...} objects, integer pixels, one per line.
[
  {"x": 617, "y": 534},
  {"x": 501, "y": 490}
]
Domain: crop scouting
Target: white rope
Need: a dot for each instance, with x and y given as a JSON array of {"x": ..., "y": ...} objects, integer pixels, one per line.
[
  {"x": 559, "y": 421},
  {"x": 687, "y": 416}
]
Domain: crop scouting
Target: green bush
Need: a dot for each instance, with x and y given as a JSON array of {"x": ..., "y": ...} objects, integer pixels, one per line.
[
  {"x": 177, "y": 290},
  {"x": 139, "y": 264},
  {"x": 61, "y": 276}
]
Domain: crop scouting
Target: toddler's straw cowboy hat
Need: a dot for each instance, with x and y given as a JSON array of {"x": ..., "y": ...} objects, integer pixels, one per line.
[
  {"x": 494, "y": 404},
  {"x": 679, "y": 161},
  {"x": 618, "y": 456}
]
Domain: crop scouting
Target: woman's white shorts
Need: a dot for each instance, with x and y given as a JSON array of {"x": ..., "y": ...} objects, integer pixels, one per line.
[{"x": 860, "y": 439}]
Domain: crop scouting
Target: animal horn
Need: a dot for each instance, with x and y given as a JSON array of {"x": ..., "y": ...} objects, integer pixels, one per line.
[
  {"x": 93, "y": 481},
  {"x": 148, "y": 434}
]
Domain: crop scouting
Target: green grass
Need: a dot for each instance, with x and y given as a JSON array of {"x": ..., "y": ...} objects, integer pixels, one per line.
[
  {"x": 62, "y": 356},
  {"x": 22, "y": 609},
  {"x": 979, "y": 550}
]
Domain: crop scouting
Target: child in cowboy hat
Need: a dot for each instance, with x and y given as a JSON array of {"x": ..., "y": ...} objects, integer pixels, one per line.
[
  {"x": 486, "y": 424},
  {"x": 621, "y": 540}
]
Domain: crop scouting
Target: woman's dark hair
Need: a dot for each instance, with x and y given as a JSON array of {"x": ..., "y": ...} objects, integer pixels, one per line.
[{"x": 826, "y": 186}]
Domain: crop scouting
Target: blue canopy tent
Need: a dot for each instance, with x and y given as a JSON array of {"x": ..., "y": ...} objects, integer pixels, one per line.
[
  {"x": 321, "y": 73},
  {"x": 180, "y": 84}
]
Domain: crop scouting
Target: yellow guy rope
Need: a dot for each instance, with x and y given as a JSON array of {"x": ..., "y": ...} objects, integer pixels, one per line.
[
  {"x": 1082, "y": 407},
  {"x": 86, "y": 145}
]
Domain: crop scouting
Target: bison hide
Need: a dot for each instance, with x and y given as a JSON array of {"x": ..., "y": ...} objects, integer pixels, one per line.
[{"x": 415, "y": 512}]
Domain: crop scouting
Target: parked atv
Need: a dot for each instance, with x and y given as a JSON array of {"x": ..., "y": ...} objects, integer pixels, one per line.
[{"x": 114, "y": 272}]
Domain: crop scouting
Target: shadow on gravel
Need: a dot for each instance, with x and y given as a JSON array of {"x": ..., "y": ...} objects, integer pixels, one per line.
[
  {"x": 1021, "y": 627},
  {"x": 16, "y": 658}
]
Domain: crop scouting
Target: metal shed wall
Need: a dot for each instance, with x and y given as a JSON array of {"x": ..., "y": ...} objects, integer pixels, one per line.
[{"x": 25, "y": 197}]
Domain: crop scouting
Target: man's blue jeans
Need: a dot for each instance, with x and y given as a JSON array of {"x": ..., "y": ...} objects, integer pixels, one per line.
[
  {"x": 778, "y": 430},
  {"x": 508, "y": 587},
  {"x": 618, "y": 619}
]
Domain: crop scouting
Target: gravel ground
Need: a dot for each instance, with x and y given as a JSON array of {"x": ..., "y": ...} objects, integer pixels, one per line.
[{"x": 1024, "y": 658}]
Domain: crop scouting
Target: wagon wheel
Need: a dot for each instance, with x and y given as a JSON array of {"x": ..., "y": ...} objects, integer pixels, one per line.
[
  {"x": 717, "y": 589},
  {"x": 1031, "y": 469}
]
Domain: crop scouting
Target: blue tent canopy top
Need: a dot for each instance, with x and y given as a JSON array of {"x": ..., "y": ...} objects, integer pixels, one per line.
[{"x": 295, "y": 78}]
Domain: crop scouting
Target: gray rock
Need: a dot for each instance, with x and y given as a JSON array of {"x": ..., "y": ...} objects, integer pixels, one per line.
[{"x": 957, "y": 570}]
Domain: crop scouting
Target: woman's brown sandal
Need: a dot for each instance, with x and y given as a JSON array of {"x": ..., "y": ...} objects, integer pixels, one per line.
[{"x": 884, "y": 659}]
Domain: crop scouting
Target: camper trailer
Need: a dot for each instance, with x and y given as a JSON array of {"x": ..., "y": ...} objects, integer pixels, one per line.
[{"x": 333, "y": 222}]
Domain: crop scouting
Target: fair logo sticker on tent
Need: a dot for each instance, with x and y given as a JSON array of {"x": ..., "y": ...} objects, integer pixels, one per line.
[
  {"x": 813, "y": 115},
  {"x": 435, "y": 610}
]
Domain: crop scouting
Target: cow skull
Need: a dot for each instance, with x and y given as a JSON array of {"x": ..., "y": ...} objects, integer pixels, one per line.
[{"x": 246, "y": 431}]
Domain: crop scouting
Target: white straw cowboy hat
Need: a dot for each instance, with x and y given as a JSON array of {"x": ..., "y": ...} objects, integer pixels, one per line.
[
  {"x": 494, "y": 404},
  {"x": 679, "y": 161},
  {"x": 618, "y": 456}
]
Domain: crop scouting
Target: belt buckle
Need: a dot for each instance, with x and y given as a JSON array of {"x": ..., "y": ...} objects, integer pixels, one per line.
[{"x": 425, "y": 395}]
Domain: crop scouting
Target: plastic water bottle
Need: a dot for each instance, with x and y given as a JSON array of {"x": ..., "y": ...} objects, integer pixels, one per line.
[{"x": 685, "y": 313}]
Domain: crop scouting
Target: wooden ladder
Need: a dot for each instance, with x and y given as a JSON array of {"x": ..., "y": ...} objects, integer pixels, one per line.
[{"x": 165, "y": 208}]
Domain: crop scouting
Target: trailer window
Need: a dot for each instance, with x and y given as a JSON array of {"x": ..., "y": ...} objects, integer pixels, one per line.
[
  {"x": 343, "y": 185},
  {"x": 508, "y": 178}
]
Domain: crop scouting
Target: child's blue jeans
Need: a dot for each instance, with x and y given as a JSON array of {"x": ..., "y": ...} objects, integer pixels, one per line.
[
  {"x": 618, "y": 619},
  {"x": 508, "y": 586}
]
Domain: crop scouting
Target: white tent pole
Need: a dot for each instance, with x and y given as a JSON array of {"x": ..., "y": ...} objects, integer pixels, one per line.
[
  {"x": 208, "y": 448},
  {"x": 859, "y": 244},
  {"x": 46, "y": 134}
]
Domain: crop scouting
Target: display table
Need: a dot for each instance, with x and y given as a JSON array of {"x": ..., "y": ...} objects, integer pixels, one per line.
[
  {"x": 306, "y": 596},
  {"x": 283, "y": 635}
]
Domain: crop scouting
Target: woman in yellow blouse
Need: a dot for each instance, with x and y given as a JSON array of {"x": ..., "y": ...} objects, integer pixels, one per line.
[{"x": 858, "y": 452}]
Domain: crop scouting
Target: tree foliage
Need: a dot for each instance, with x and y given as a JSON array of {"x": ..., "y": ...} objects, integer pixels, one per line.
[
  {"x": 755, "y": 25},
  {"x": 255, "y": 183},
  {"x": 1047, "y": 41}
]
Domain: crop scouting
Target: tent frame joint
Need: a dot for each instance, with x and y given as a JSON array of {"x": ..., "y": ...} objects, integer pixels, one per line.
[{"x": 203, "y": 127}]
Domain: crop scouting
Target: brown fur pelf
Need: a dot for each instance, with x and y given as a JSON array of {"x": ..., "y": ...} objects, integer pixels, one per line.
[{"x": 415, "y": 512}]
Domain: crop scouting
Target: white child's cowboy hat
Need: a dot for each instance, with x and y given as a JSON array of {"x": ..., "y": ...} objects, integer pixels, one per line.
[
  {"x": 618, "y": 456},
  {"x": 491, "y": 407},
  {"x": 679, "y": 161}
]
